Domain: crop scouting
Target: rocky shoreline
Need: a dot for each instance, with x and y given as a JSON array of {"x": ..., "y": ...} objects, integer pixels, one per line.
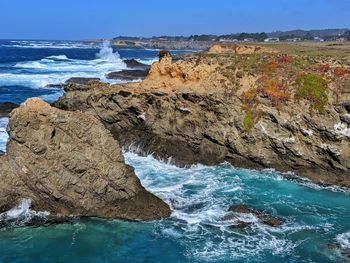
[
  {"x": 236, "y": 104},
  {"x": 192, "y": 111}
]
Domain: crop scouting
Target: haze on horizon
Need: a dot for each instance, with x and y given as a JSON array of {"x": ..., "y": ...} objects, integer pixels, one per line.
[{"x": 91, "y": 19}]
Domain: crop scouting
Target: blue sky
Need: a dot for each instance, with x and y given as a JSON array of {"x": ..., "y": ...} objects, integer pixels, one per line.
[{"x": 87, "y": 19}]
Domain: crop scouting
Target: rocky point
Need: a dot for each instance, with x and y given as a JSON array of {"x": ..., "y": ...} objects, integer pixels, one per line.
[{"x": 67, "y": 163}]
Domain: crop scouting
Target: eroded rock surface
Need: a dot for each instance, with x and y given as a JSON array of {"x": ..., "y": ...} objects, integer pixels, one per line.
[
  {"x": 194, "y": 111},
  {"x": 67, "y": 163}
]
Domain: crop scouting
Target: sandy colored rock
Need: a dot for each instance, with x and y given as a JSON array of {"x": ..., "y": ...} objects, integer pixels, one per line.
[
  {"x": 192, "y": 110},
  {"x": 239, "y": 49},
  {"x": 67, "y": 163}
]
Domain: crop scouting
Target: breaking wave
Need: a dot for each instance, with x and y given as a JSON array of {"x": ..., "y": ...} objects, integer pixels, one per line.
[
  {"x": 21, "y": 215},
  {"x": 200, "y": 197},
  {"x": 3, "y": 134}
]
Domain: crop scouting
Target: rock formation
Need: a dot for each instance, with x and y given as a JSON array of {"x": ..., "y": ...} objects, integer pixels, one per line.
[
  {"x": 211, "y": 108},
  {"x": 240, "y": 49},
  {"x": 128, "y": 74},
  {"x": 67, "y": 163},
  {"x": 134, "y": 64}
]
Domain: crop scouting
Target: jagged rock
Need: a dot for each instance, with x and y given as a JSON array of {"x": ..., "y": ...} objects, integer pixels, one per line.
[
  {"x": 6, "y": 108},
  {"x": 191, "y": 110},
  {"x": 163, "y": 53},
  {"x": 55, "y": 86},
  {"x": 67, "y": 163},
  {"x": 134, "y": 64},
  {"x": 128, "y": 75},
  {"x": 262, "y": 216},
  {"x": 81, "y": 81}
]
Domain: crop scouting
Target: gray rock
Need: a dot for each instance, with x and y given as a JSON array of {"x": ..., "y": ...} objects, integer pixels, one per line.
[
  {"x": 261, "y": 215},
  {"x": 134, "y": 64},
  {"x": 81, "y": 81},
  {"x": 128, "y": 75},
  {"x": 67, "y": 163}
]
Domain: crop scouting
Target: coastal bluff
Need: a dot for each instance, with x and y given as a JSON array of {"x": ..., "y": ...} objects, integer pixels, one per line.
[
  {"x": 67, "y": 163},
  {"x": 266, "y": 109}
]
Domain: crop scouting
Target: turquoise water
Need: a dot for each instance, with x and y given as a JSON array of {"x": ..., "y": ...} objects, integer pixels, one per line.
[{"x": 200, "y": 196}]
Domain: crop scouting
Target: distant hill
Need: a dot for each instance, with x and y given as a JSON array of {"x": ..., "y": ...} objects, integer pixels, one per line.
[
  {"x": 327, "y": 34},
  {"x": 314, "y": 33}
]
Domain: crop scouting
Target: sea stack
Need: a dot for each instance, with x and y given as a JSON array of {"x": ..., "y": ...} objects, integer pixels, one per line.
[{"x": 67, "y": 163}]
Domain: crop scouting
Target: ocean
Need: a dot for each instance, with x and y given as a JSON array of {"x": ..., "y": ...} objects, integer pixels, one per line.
[{"x": 316, "y": 219}]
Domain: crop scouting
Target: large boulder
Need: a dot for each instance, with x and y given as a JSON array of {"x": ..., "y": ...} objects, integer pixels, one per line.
[{"x": 67, "y": 163}]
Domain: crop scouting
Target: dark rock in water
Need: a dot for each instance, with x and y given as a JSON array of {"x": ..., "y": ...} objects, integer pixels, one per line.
[
  {"x": 6, "y": 108},
  {"x": 340, "y": 251},
  {"x": 81, "y": 81},
  {"x": 68, "y": 163},
  {"x": 134, "y": 64},
  {"x": 241, "y": 225},
  {"x": 2, "y": 153},
  {"x": 261, "y": 215},
  {"x": 128, "y": 75},
  {"x": 55, "y": 86}
]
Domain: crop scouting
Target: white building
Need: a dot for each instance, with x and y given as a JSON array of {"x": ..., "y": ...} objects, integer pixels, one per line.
[{"x": 272, "y": 39}]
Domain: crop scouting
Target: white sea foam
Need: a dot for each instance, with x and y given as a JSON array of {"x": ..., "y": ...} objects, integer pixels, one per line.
[
  {"x": 3, "y": 134},
  {"x": 196, "y": 197},
  {"x": 21, "y": 214},
  {"x": 58, "y": 69},
  {"x": 49, "y": 44},
  {"x": 59, "y": 57},
  {"x": 344, "y": 240},
  {"x": 147, "y": 61}
]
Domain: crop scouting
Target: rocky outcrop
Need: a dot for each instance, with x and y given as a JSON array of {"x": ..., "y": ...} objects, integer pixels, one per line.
[
  {"x": 80, "y": 81},
  {"x": 262, "y": 216},
  {"x": 194, "y": 111},
  {"x": 67, "y": 163},
  {"x": 128, "y": 74},
  {"x": 134, "y": 64},
  {"x": 240, "y": 49},
  {"x": 6, "y": 108}
]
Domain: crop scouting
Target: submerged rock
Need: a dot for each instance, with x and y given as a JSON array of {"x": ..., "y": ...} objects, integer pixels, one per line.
[
  {"x": 261, "y": 215},
  {"x": 6, "y": 108},
  {"x": 67, "y": 163},
  {"x": 55, "y": 86},
  {"x": 128, "y": 75}
]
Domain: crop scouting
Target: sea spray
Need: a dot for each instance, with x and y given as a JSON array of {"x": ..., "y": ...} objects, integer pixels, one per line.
[
  {"x": 106, "y": 53},
  {"x": 22, "y": 215},
  {"x": 3, "y": 133}
]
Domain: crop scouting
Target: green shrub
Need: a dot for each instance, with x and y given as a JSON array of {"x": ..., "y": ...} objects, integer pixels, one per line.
[
  {"x": 313, "y": 88},
  {"x": 248, "y": 121}
]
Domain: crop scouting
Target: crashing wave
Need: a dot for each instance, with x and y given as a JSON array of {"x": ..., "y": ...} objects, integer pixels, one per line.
[
  {"x": 3, "y": 133},
  {"x": 22, "y": 215},
  {"x": 58, "y": 69}
]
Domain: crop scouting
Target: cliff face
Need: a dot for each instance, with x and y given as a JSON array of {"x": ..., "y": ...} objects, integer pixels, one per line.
[
  {"x": 204, "y": 110},
  {"x": 68, "y": 164}
]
